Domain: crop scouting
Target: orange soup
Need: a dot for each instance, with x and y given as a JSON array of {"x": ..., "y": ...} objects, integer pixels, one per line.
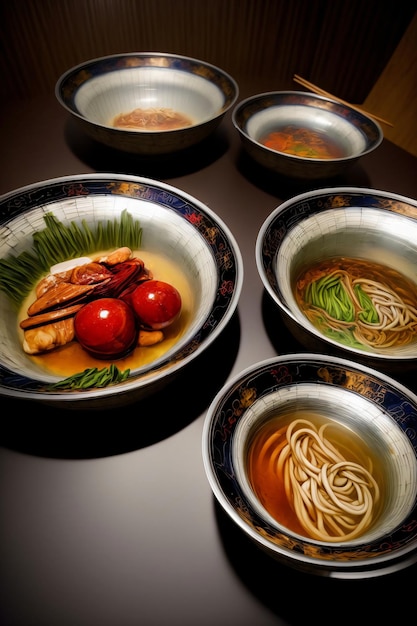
[
  {"x": 302, "y": 142},
  {"x": 303, "y": 463}
]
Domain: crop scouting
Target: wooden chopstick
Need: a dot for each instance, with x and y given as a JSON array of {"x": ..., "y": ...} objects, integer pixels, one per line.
[{"x": 305, "y": 83}]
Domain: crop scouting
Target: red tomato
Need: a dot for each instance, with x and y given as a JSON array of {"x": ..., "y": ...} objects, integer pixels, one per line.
[
  {"x": 106, "y": 328},
  {"x": 156, "y": 303}
]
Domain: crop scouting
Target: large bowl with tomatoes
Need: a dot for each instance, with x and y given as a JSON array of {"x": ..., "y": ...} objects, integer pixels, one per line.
[{"x": 109, "y": 286}]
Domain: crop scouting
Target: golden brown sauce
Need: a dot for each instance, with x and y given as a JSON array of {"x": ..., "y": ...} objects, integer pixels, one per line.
[
  {"x": 152, "y": 119},
  {"x": 269, "y": 487},
  {"x": 72, "y": 358},
  {"x": 302, "y": 142}
]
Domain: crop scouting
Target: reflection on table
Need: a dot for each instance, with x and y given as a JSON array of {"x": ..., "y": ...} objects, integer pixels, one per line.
[{"x": 107, "y": 518}]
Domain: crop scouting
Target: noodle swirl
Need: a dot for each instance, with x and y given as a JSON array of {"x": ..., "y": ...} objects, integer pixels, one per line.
[
  {"x": 371, "y": 313},
  {"x": 333, "y": 498}
]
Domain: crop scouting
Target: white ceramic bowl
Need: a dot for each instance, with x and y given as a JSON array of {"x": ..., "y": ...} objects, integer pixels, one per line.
[
  {"x": 350, "y": 132},
  {"x": 359, "y": 224},
  {"x": 181, "y": 240},
  {"x": 371, "y": 408},
  {"x": 160, "y": 85}
]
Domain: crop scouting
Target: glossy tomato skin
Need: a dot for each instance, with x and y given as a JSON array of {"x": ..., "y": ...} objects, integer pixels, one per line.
[
  {"x": 156, "y": 303},
  {"x": 106, "y": 328}
]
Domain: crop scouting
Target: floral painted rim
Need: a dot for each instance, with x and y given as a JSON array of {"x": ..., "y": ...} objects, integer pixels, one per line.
[
  {"x": 266, "y": 377},
  {"x": 217, "y": 236}
]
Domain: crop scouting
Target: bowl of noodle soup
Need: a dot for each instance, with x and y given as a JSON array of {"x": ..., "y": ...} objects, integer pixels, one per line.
[
  {"x": 340, "y": 265},
  {"x": 314, "y": 458}
]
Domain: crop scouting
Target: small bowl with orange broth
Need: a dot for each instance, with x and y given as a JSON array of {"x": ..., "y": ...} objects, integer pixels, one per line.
[
  {"x": 147, "y": 103},
  {"x": 109, "y": 285},
  {"x": 315, "y": 458},
  {"x": 303, "y": 135},
  {"x": 338, "y": 264}
]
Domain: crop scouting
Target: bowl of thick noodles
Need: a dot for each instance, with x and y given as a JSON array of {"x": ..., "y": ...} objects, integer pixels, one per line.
[
  {"x": 339, "y": 263},
  {"x": 110, "y": 285},
  {"x": 147, "y": 103},
  {"x": 314, "y": 458}
]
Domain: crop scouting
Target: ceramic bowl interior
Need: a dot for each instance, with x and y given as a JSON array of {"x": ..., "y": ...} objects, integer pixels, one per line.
[
  {"x": 349, "y": 132},
  {"x": 98, "y": 91},
  {"x": 175, "y": 226},
  {"x": 372, "y": 406},
  {"x": 354, "y": 223}
]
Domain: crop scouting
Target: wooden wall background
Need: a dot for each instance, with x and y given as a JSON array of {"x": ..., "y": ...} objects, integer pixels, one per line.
[
  {"x": 341, "y": 45},
  {"x": 394, "y": 95}
]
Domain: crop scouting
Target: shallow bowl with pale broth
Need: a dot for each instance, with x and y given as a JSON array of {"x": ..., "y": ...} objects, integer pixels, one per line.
[
  {"x": 147, "y": 103},
  {"x": 314, "y": 458}
]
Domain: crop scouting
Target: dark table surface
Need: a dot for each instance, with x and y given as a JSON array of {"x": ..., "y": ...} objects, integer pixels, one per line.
[{"x": 107, "y": 519}]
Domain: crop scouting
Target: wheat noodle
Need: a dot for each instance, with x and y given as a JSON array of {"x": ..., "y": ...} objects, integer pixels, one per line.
[
  {"x": 360, "y": 311},
  {"x": 333, "y": 498}
]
